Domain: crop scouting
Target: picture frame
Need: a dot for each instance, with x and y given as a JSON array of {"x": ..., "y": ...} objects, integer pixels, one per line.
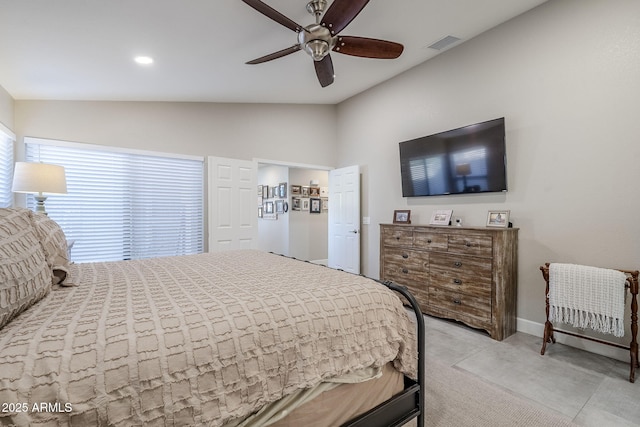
[
  {"x": 268, "y": 208},
  {"x": 282, "y": 190},
  {"x": 280, "y": 206},
  {"x": 324, "y": 191},
  {"x": 441, "y": 217},
  {"x": 296, "y": 190},
  {"x": 259, "y": 190},
  {"x": 295, "y": 203},
  {"x": 304, "y": 204},
  {"x": 265, "y": 191},
  {"x": 315, "y": 205},
  {"x": 305, "y": 191},
  {"x": 260, "y": 212},
  {"x": 498, "y": 219},
  {"x": 273, "y": 192},
  {"x": 325, "y": 204},
  {"x": 401, "y": 216},
  {"x": 314, "y": 191}
]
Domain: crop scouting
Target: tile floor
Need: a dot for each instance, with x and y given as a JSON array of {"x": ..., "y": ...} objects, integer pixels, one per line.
[{"x": 590, "y": 389}]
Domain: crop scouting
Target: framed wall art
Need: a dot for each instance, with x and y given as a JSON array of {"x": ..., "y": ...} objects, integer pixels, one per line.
[
  {"x": 315, "y": 205},
  {"x": 282, "y": 190},
  {"x": 295, "y": 204},
  {"x": 268, "y": 208}
]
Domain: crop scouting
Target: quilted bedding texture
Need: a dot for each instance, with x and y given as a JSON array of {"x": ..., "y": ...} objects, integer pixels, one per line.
[{"x": 193, "y": 340}]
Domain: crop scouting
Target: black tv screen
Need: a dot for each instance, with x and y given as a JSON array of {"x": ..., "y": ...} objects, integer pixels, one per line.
[{"x": 470, "y": 159}]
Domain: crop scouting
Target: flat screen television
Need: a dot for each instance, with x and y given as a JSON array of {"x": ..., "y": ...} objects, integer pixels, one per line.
[{"x": 470, "y": 159}]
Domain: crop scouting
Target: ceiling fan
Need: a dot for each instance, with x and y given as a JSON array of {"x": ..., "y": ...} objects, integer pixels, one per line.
[{"x": 320, "y": 38}]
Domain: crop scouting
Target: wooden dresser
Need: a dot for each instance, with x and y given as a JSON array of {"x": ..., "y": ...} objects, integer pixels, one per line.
[{"x": 461, "y": 273}]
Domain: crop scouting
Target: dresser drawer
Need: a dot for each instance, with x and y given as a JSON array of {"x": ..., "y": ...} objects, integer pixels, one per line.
[
  {"x": 466, "y": 306},
  {"x": 430, "y": 241},
  {"x": 465, "y": 274},
  {"x": 471, "y": 245},
  {"x": 397, "y": 237},
  {"x": 406, "y": 263}
]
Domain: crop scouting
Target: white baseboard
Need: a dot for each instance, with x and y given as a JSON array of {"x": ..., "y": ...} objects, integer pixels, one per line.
[
  {"x": 320, "y": 261},
  {"x": 537, "y": 329}
]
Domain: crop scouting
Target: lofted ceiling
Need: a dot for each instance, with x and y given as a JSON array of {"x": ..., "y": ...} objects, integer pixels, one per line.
[{"x": 84, "y": 49}]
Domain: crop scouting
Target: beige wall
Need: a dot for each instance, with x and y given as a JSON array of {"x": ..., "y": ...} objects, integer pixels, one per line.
[
  {"x": 565, "y": 76},
  {"x": 6, "y": 109},
  {"x": 241, "y": 131},
  {"x": 309, "y": 233}
]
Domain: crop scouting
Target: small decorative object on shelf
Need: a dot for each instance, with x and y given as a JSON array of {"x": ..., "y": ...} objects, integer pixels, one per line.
[
  {"x": 441, "y": 217},
  {"x": 498, "y": 219},
  {"x": 402, "y": 217}
]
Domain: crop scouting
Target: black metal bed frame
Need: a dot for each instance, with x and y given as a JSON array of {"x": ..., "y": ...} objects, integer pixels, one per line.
[{"x": 410, "y": 402}]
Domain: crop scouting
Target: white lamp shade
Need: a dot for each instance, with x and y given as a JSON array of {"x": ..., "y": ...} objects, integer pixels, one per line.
[{"x": 39, "y": 178}]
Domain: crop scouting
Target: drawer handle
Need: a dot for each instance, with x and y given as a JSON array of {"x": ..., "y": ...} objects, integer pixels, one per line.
[
  {"x": 397, "y": 237},
  {"x": 457, "y": 301},
  {"x": 405, "y": 256},
  {"x": 405, "y": 271},
  {"x": 467, "y": 244},
  {"x": 457, "y": 264},
  {"x": 457, "y": 281},
  {"x": 429, "y": 241}
]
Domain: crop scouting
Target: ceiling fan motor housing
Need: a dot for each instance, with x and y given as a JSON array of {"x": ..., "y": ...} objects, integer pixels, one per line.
[{"x": 316, "y": 41}]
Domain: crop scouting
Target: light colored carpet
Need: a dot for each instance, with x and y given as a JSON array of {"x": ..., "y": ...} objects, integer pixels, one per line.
[{"x": 456, "y": 398}]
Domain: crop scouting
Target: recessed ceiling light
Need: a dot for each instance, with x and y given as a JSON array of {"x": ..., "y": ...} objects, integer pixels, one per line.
[{"x": 144, "y": 60}]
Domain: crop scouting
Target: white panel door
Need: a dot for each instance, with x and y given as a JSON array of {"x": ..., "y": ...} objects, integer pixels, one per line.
[
  {"x": 232, "y": 204},
  {"x": 344, "y": 219}
]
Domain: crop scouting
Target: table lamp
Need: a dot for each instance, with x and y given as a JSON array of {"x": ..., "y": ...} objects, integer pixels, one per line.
[{"x": 39, "y": 178}]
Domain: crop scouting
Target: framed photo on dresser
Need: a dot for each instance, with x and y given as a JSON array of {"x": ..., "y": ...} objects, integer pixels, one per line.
[
  {"x": 402, "y": 217},
  {"x": 498, "y": 219},
  {"x": 441, "y": 217}
]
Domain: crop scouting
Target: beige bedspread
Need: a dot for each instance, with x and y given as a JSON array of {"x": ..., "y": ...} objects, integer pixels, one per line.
[{"x": 193, "y": 340}]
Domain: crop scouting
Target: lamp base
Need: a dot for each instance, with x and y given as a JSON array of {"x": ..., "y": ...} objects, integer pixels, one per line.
[{"x": 40, "y": 204}]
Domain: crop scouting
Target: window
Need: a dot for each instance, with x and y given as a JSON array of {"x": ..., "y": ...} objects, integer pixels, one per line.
[
  {"x": 125, "y": 204},
  {"x": 6, "y": 167}
]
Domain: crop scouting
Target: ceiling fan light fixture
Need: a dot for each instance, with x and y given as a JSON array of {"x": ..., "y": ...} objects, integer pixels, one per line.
[{"x": 318, "y": 49}]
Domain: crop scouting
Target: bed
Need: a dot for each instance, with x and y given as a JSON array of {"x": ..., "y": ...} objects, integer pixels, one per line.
[{"x": 229, "y": 339}]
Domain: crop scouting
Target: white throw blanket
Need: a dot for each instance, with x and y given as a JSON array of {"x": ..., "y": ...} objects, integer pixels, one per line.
[{"x": 587, "y": 297}]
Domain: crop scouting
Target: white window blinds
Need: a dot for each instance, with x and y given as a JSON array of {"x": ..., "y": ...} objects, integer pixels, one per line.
[
  {"x": 6, "y": 169},
  {"x": 125, "y": 204}
]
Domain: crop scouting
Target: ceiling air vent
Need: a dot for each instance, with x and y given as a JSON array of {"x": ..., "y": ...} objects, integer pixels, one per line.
[{"x": 444, "y": 42}]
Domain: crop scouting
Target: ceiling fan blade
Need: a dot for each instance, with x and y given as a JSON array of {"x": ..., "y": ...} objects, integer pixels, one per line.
[
  {"x": 275, "y": 55},
  {"x": 270, "y": 12},
  {"x": 368, "y": 48},
  {"x": 324, "y": 71},
  {"x": 341, "y": 13}
]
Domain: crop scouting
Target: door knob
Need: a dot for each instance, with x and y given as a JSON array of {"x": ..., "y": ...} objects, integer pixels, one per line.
[{"x": 354, "y": 231}]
